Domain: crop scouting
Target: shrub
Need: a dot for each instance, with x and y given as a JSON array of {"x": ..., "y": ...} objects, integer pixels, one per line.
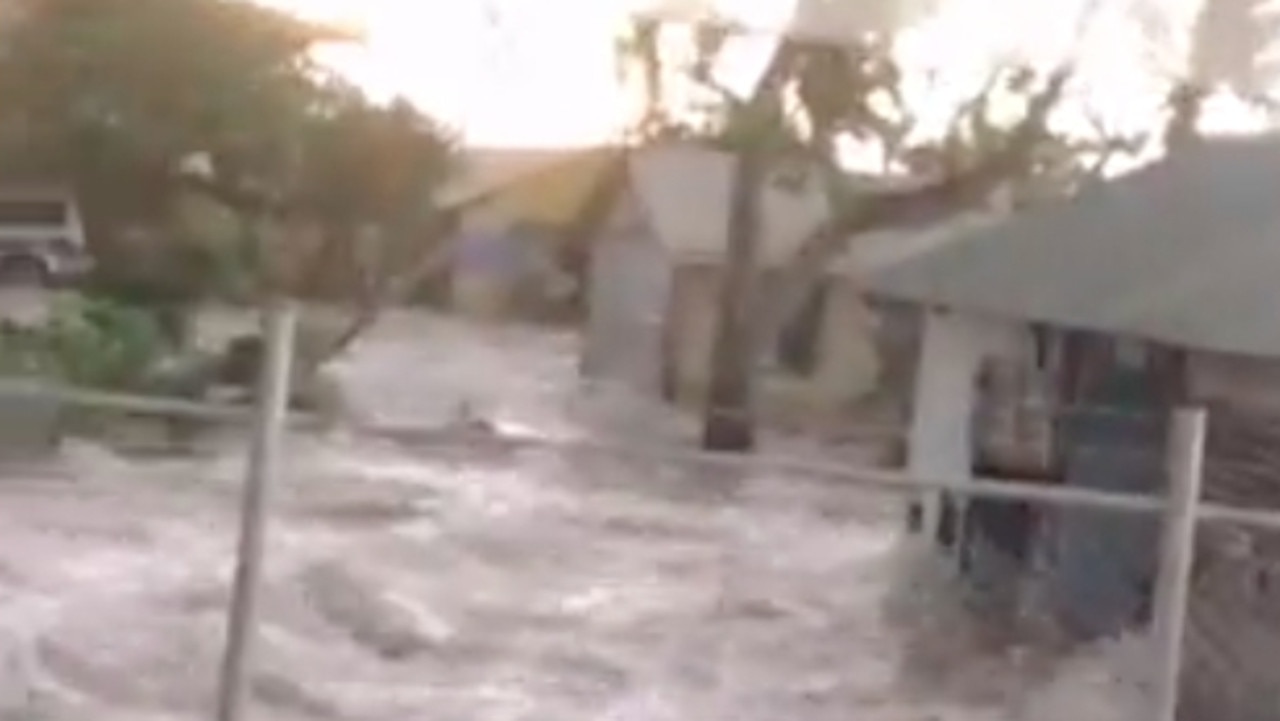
[
  {"x": 88, "y": 341},
  {"x": 22, "y": 351}
]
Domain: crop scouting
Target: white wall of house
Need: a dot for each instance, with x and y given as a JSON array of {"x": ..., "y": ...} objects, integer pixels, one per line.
[
  {"x": 953, "y": 348},
  {"x": 655, "y": 281},
  {"x": 685, "y": 191},
  {"x": 848, "y": 358}
]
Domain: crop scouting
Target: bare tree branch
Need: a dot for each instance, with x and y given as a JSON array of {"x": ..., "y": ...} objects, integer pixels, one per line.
[
  {"x": 932, "y": 203},
  {"x": 1186, "y": 105}
]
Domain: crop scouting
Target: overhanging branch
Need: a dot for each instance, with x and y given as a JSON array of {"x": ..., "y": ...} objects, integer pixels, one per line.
[{"x": 928, "y": 205}]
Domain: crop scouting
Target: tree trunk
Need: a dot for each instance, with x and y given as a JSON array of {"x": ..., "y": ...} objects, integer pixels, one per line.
[
  {"x": 387, "y": 291},
  {"x": 730, "y": 421},
  {"x": 1186, "y": 107}
]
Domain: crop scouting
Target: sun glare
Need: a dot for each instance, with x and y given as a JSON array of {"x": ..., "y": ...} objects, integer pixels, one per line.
[
  {"x": 533, "y": 74},
  {"x": 506, "y": 72}
]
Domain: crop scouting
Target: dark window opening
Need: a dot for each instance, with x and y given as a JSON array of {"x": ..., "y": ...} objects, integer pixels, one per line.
[
  {"x": 1169, "y": 369},
  {"x": 1042, "y": 346},
  {"x": 798, "y": 342}
]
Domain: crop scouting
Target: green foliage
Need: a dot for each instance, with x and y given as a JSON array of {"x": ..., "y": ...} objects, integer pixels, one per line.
[
  {"x": 141, "y": 103},
  {"x": 104, "y": 344},
  {"x": 359, "y": 163},
  {"x": 209, "y": 247},
  {"x": 116, "y": 93},
  {"x": 22, "y": 351},
  {"x": 88, "y": 342}
]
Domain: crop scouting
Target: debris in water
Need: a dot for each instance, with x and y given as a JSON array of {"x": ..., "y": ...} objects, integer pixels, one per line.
[{"x": 387, "y": 624}]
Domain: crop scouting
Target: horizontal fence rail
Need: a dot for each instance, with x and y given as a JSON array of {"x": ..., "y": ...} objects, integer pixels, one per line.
[
  {"x": 146, "y": 405},
  {"x": 890, "y": 480},
  {"x": 269, "y": 418},
  {"x": 883, "y": 479}
]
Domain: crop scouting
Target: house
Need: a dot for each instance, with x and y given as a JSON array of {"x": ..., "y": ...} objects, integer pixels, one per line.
[
  {"x": 654, "y": 287},
  {"x": 522, "y": 215},
  {"x": 1142, "y": 294}
]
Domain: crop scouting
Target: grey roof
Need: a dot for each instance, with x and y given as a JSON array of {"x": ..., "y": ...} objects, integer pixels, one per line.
[{"x": 1185, "y": 251}]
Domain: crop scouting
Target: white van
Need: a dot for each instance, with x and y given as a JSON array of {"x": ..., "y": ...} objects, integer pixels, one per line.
[{"x": 42, "y": 239}]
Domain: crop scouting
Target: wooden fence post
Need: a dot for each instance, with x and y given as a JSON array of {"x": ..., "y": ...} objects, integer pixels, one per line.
[
  {"x": 1173, "y": 588},
  {"x": 273, "y": 401}
]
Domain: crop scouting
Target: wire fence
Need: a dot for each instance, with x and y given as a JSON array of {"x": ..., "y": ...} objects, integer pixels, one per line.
[{"x": 1211, "y": 623}]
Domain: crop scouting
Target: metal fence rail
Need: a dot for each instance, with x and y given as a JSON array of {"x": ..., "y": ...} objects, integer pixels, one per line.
[
  {"x": 890, "y": 481},
  {"x": 177, "y": 408},
  {"x": 1182, "y": 509}
]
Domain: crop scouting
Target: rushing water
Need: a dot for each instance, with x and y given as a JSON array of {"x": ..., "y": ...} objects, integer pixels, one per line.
[{"x": 444, "y": 584}]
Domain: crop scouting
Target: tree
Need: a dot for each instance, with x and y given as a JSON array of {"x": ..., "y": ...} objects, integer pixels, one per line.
[
  {"x": 1227, "y": 46},
  {"x": 139, "y": 102},
  {"x": 1225, "y": 52},
  {"x": 845, "y": 91},
  {"x": 729, "y": 410},
  {"x": 746, "y": 129},
  {"x": 851, "y": 90},
  {"x": 113, "y": 95},
  {"x": 364, "y": 181}
]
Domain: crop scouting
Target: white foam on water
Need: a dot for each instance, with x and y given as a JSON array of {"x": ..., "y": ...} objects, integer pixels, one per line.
[{"x": 522, "y": 587}]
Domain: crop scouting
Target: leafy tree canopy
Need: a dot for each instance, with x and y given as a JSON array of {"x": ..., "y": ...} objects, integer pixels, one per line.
[{"x": 137, "y": 102}]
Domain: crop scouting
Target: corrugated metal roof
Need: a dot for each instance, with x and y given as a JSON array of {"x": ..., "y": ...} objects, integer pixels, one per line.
[{"x": 1186, "y": 251}]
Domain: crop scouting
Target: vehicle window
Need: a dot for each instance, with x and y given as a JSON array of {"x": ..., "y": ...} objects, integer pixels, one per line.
[{"x": 32, "y": 212}]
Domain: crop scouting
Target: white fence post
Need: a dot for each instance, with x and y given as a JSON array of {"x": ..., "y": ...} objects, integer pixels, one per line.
[
  {"x": 273, "y": 400},
  {"x": 1173, "y": 587}
]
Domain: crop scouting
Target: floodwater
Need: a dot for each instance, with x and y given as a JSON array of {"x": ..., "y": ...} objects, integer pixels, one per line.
[{"x": 449, "y": 584}]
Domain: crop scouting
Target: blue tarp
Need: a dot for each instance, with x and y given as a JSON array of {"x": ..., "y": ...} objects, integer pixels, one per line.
[{"x": 501, "y": 255}]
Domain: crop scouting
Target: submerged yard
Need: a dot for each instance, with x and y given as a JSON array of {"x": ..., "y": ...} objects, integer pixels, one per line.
[{"x": 435, "y": 583}]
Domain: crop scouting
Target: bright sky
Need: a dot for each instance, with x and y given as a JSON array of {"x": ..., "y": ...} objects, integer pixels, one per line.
[
  {"x": 539, "y": 72},
  {"x": 542, "y": 72}
]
